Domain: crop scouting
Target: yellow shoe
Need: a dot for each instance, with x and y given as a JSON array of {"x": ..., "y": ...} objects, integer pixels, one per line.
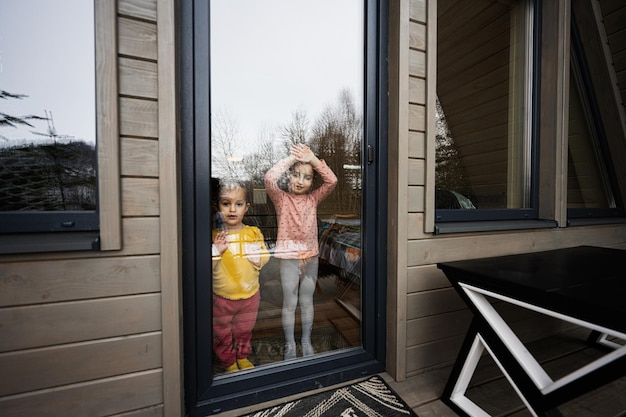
[
  {"x": 244, "y": 363},
  {"x": 232, "y": 368}
]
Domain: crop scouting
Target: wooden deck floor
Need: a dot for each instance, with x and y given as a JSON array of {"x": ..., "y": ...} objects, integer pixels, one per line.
[{"x": 558, "y": 354}]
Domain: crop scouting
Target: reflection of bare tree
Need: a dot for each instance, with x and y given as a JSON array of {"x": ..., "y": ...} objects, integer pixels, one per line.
[
  {"x": 226, "y": 156},
  {"x": 51, "y": 176},
  {"x": 296, "y": 131},
  {"x": 7, "y": 120},
  {"x": 336, "y": 138},
  {"x": 449, "y": 170},
  {"x": 257, "y": 163}
]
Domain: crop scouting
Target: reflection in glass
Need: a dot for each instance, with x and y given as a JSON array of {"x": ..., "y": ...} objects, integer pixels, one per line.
[
  {"x": 588, "y": 186},
  {"x": 286, "y": 126},
  {"x": 47, "y": 119},
  {"x": 483, "y": 142}
]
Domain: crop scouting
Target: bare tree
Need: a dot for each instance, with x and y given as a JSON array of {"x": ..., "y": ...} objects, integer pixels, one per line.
[
  {"x": 7, "y": 120},
  {"x": 296, "y": 131},
  {"x": 263, "y": 158},
  {"x": 449, "y": 170},
  {"x": 226, "y": 156},
  {"x": 336, "y": 138}
]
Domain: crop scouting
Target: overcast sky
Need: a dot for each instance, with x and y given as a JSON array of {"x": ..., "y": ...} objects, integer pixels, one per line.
[
  {"x": 47, "y": 53},
  {"x": 270, "y": 58}
]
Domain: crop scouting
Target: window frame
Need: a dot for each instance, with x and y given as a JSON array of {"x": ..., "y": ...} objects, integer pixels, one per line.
[
  {"x": 577, "y": 216},
  {"x": 33, "y": 232},
  {"x": 471, "y": 220},
  {"x": 203, "y": 393}
]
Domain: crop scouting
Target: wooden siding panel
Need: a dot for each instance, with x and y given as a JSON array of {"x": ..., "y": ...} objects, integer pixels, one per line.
[
  {"x": 141, "y": 9},
  {"x": 140, "y": 196},
  {"x": 417, "y": 117},
  {"x": 417, "y": 10},
  {"x": 170, "y": 206},
  {"x": 417, "y": 64},
  {"x": 428, "y": 355},
  {"x": 416, "y": 172},
  {"x": 614, "y": 20},
  {"x": 416, "y": 145},
  {"x": 155, "y": 411},
  {"x": 416, "y": 199},
  {"x": 107, "y": 125},
  {"x": 433, "y": 328},
  {"x": 479, "y": 246},
  {"x": 141, "y": 235},
  {"x": 613, "y": 16},
  {"x": 139, "y": 118},
  {"x": 424, "y": 278},
  {"x": 35, "y": 282},
  {"x": 95, "y": 399},
  {"x": 37, "y": 369},
  {"x": 138, "y": 78},
  {"x": 433, "y": 302},
  {"x": 417, "y": 90},
  {"x": 137, "y": 38},
  {"x": 417, "y": 36},
  {"x": 415, "y": 225},
  {"x": 68, "y": 322},
  {"x": 140, "y": 157}
]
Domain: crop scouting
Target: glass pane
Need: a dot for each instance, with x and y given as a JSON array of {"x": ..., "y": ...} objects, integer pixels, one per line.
[
  {"x": 483, "y": 142},
  {"x": 588, "y": 186},
  {"x": 286, "y": 131},
  {"x": 47, "y": 106}
]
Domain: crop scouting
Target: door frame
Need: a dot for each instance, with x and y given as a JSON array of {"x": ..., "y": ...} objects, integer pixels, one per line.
[{"x": 205, "y": 395}]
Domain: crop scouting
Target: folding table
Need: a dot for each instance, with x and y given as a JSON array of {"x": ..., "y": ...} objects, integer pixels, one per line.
[{"x": 584, "y": 285}]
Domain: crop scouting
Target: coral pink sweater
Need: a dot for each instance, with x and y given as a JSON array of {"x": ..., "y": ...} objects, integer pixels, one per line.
[{"x": 297, "y": 214}]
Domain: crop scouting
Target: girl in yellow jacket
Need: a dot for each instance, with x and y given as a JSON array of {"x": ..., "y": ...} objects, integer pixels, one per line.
[{"x": 239, "y": 253}]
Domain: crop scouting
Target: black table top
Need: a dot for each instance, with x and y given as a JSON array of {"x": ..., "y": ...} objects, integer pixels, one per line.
[{"x": 585, "y": 282}]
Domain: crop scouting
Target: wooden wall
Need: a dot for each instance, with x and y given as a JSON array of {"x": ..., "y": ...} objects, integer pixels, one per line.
[
  {"x": 426, "y": 319},
  {"x": 81, "y": 334},
  {"x": 613, "y": 14}
]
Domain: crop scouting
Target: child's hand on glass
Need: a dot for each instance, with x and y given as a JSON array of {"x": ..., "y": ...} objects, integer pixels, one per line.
[
  {"x": 220, "y": 242},
  {"x": 303, "y": 153}
]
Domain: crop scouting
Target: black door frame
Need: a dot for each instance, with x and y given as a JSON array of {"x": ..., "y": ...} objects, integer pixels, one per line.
[{"x": 203, "y": 394}]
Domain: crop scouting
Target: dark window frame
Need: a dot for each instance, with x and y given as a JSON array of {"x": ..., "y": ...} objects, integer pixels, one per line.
[
  {"x": 61, "y": 230},
  {"x": 203, "y": 394},
  {"x": 577, "y": 216},
  {"x": 472, "y": 220}
]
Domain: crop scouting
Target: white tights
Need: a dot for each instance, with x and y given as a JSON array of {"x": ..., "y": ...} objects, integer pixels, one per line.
[{"x": 298, "y": 278}]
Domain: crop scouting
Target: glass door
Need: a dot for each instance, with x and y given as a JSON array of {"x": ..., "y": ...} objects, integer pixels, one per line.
[
  {"x": 286, "y": 137},
  {"x": 283, "y": 119}
]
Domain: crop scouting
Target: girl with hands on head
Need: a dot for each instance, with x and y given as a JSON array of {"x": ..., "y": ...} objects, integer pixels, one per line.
[{"x": 297, "y": 242}]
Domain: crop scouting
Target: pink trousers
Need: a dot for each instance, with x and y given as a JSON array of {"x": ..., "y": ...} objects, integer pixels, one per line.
[{"x": 233, "y": 321}]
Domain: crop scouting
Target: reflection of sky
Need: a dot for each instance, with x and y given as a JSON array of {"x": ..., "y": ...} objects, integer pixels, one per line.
[
  {"x": 271, "y": 58},
  {"x": 47, "y": 53}
]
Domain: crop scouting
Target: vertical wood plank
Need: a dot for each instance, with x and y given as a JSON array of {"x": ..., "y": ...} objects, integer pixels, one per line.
[
  {"x": 171, "y": 253},
  {"x": 398, "y": 183},
  {"x": 109, "y": 203}
]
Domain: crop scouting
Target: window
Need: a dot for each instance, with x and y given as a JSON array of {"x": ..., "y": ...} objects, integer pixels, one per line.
[
  {"x": 485, "y": 90},
  {"x": 48, "y": 155},
  {"x": 590, "y": 177}
]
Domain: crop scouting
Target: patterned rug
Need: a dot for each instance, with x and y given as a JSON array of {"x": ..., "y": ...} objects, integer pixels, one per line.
[{"x": 371, "y": 398}]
